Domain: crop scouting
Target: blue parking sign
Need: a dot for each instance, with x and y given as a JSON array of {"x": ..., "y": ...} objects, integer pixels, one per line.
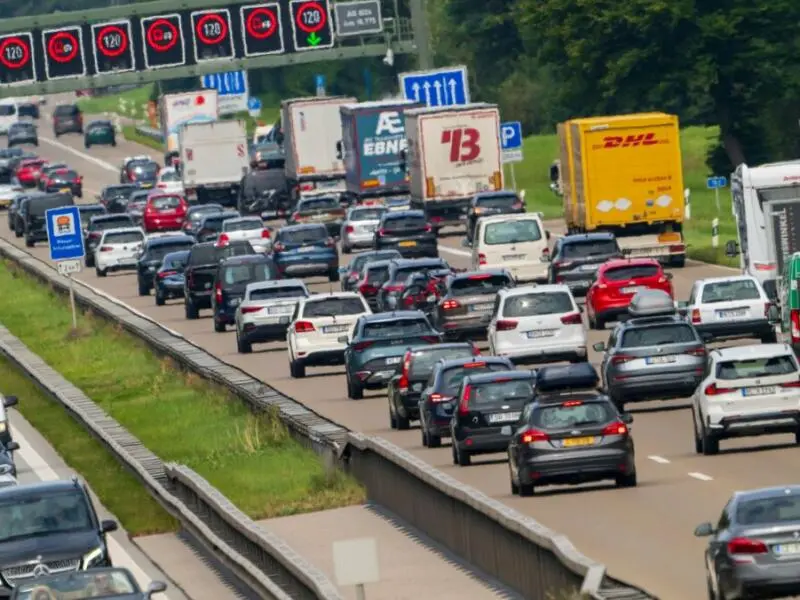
[{"x": 64, "y": 233}]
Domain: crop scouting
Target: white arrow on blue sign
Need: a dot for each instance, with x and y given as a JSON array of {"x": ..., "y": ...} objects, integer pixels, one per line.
[
  {"x": 441, "y": 87},
  {"x": 254, "y": 103},
  {"x": 714, "y": 183},
  {"x": 232, "y": 90}
]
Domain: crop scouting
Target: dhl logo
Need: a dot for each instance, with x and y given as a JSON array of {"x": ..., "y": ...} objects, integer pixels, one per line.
[{"x": 630, "y": 141}]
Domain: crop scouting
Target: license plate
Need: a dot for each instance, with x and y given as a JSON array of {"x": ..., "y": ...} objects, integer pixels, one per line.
[
  {"x": 763, "y": 390},
  {"x": 508, "y": 417},
  {"x": 784, "y": 549},
  {"x": 407, "y": 244},
  {"x": 513, "y": 257},
  {"x": 334, "y": 328},
  {"x": 306, "y": 249},
  {"x": 660, "y": 360},
  {"x": 589, "y": 268},
  {"x": 632, "y": 289},
  {"x": 417, "y": 387},
  {"x": 541, "y": 333},
  {"x": 385, "y": 374},
  {"x": 63, "y": 190},
  {"x": 280, "y": 310},
  {"x": 482, "y": 307},
  {"x": 731, "y": 314},
  {"x": 581, "y": 441},
  {"x": 394, "y": 360}
]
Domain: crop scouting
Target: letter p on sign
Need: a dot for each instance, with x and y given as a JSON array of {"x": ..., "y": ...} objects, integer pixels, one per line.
[{"x": 511, "y": 135}]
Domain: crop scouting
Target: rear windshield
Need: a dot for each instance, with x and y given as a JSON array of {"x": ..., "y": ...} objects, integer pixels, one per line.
[
  {"x": 479, "y": 284},
  {"x": 367, "y": 214},
  {"x": 23, "y": 125},
  {"x": 65, "y": 111},
  {"x": 759, "y": 367},
  {"x": 632, "y": 272},
  {"x": 199, "y": 214},
  {"x": 325, "y": 203},
  {"x": 423, "y": 361},
  {"x": 766, "y": 511},
  {"x": 118, "y": 190},
  {"x": 89, "y": 211},
  {"x": 100, "y": 125},
  {"x": 724, "y": 291},
  {"x": 528, "y": 305},
  {"x": 169, "y": 176},
  {"x": 569, "y": 414},
  {"x": 103, "y": 224},
  {"x": 505, "y": 201},
  {"x": 67, "y": 175},
  {"x": 38, "y": 206},
  {"x": 161, "y": 250},
  {"x": 512, "y": 232},
  {"x": 6, "y": 110},
  {"x": 165, "y": 202},
  {"x": 278, "y": 292},
  {"x": 214, "y": 222},
  {"x": 489, "y": 394},
  {"x": 405, "y": 222},
  {"x": 241, "y": 274},
  {"x": 377, "y": 275},
  {"x": 590, "y": 248},
  {"x": 178, "y": 261},
  {"x": 398, "y": 328},
  {"x": 27, "y": 110},
  {"x": 658, "y": 335},
  {"x": 406, "y": 272},
  {"x": 123, "y": 237},
  {"x": 248, "y": 225},
  {"x": 452, "y": 377},
  {"x": 307, "y": 235},
  {"x": 360, "y": 261},
  {"x": 334, "y": 307}
]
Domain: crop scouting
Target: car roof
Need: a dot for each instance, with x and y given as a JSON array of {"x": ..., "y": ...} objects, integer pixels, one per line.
[
  {"x": 524, "y": 290},
  {"x": 205, "y": 207},
  {"x": 124, "y": 230},
  {"x": 401, "y": 263},
  {"x": 655, "y": 320},
  {"x": 100, "y": 122},
  {"x": 301, "y": 227},
  {"x": 226, "y": 214},
  {"x": 393, "y": 316},
  {"x": 371, "y": 253},
  {"x": 588, "y": 237},
  {"x": 327, "y": 296},
  {"x": 169, "y": 239},
  {"x": 402, "y": 213},
  {"x": 176, "y": 254},
  {"x": 617, "y": 263},
  {"x": 752, "y": 351},
  {"x": 560, "y": 396},
  {"x": 110, "y": 217},
  {"x": 379, "y": 264},
  {"x": 276, "y": 283},
  {"x": 516, "y": 375},
  {"x": 244, "y": 259},
  {"x": 249, "y": 218},
  {"x": 363, "y": 207},
  {"x": 508, "y": 217},
  {"x": 766, "y": 493},
  {"x": 707, "y": 280},
  {"x": 40, "y": 487},
  {"x": 445, "y": 346}
]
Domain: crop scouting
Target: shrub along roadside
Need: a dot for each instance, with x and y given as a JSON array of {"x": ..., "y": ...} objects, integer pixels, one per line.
[{"x": 251, "y": 459}]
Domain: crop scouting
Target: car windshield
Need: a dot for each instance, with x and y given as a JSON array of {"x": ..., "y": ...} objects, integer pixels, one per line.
[
  {"x": 404, "y": 222},
  {"x": 334, "y": 307},
  {"x": 243, "y": 225},
  {"x": 512, "y": 232},
  {"x": 504, "y": 201},
  {"x": 123, "y": 237},
  {"x": 324, "y": 203},
  {"x": 529, "y": 305},
  {"x": 360, "y": 260},
  {"x": 6, "y": 110},
  {"x": 305, "y": 235},
  {"x": 367, "y": 214},
  {"x": 484, "y": 283},
  {"x": 423, "y": 361},
  {"x": 48, "y": 514},
  {"x": 588, "y": 249},
  {"x": 246, "y": 273},
  {"x": 497, "y": 392},
  {"x": 103, "y": 224},
  {"x": 572, "y": 414},
  {"x": 725, "y": 291},
  {"x": 757, "y": 367},
  {"x": 397, "y": 328},
  {"x": 453, "y": 376},
  {"x": 658, "y": 335},
  {"x": 165, "y": 202},
  {"x": 79, "y": 584},
  {"x": 275, "y": 293},
  {"x": 169, "y": 175},
  {"x": 632, "y": 272},
  {"x": 159, "y": 251},
  {"x": 766, "y": 511},
  {"x": 378, "y": 275}
]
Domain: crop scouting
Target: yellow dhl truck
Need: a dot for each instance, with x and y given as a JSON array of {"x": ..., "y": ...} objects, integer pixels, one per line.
[{"x": 623, "y": 174}]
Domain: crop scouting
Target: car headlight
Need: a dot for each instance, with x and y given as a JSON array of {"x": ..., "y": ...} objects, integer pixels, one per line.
[
  {"x": 3, "y": 426},
  {"x": 93, "y": 558}
]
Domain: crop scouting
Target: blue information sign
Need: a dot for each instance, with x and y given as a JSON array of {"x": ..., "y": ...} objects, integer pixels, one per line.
[{"x": 64, "y": 233}]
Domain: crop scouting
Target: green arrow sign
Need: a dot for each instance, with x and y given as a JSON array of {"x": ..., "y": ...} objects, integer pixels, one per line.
[{"x": 313, "y": 39}]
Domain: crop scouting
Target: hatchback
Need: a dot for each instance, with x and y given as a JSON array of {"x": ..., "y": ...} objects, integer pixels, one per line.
[
  {"x": 163, "y": 212},
  {"x": 153, "y": 253},
  {"x": 45, "y": 172},
  {"x": 100, "y": 133},
  {"x": 466, "y": 307},
  {"x": 492, "y": 203},
  {"x": 67, "y": 118},
  {"x": 575, "y": 259},
  {"x": 28, "y": 171},
  {"x": 169, "y": 279},
  {"x": 319, "y": 209},
  {"x": 64, "y": 180},
  {"x": 230, "y": 282},
  {"x": 210, "y": 226},
  {"x": 351, "y": 273},
  {"x": 306, "y": 250},
  {"x": 247, "y": 228},
  {"x": 117, "y": 250},
  {"x": 373, "y": 275},
  {"x": 266, "y": 311},
  {"x": 94, "y": 232},
  {"x": 194, "y": 216},
  {"x": 23, "y": 133},
  {"x": 408, "y": 232},
  {"x": 359, "y": 227}
]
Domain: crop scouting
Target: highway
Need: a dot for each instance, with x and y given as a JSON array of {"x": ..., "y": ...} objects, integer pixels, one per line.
[{"x": 644, "y": 535}]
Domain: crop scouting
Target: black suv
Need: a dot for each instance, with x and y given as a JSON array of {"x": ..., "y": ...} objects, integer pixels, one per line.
[
  {"x": 49, "y": 527},
  {"x": 35, "y": 210},
  {"x": 152, "y": 256},
  {"x": 492, "y": 203},
  {"x": 67, "y": 118},
  {"x": 575, "y": 259},
  {"x": 408, "y": 232},
  {"x": 201, "y": 269},
  {"x": 233, "y": 275}
]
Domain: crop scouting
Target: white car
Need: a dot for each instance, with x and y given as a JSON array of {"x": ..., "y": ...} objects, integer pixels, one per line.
[
  {"x": 170, "y": 182},
  {"x": 118, "y": 250},
  {"x": 9, "y": 191},
  {"x": 729, "y": 308},
  {"x": 359, "y": 226},
  {"x": 247, "y": 228},
  {"x": 321, "y": 328},
  {"x": 264, "y": 313},
  {"x": 747, "y": 391},
  {"x": 537, "y": 324}
]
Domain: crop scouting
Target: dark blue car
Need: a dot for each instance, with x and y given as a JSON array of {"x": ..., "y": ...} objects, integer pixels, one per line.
[
  {"x": 305, "y": 250},
  {"x": 153, "y": 253},
  {"x": 169, "y": 278}
]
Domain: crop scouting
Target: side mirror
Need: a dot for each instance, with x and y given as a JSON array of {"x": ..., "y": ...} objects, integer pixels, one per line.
[
  {"x": 704, "y": 530},
  {"x": 732, "y": 249},
  {"x": 465, "y": 243},
  {"x": 599, "y": 347},
  {"x": 773, "y": 314},
  {"x": 342, "y": 270},
  {"x": 626, "y": 418},
  {"x": 548, "y": 235},
  {"x": 108, "y": 525},
  {"x": 12, "y": 446},
  {"x": 10, "y": 401},
  {"x": 339, "y": 150},
  {"x": 155, "y": 587}
]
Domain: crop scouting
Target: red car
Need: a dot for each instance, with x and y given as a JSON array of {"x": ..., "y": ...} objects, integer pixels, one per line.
[
  {"x": 29, "y": 170},
  {"x": 164, "y": 212},
  {"x": 616, "y": 284}
]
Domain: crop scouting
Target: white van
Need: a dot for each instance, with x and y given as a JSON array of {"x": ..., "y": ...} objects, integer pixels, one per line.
[
  {"x": 513, "y": 242},
  {"x": 8, "y": 114}
]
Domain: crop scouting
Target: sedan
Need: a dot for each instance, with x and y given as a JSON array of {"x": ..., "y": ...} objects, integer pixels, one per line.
[
  {"x": 408, "y": 232},
  {"x": 359, "y": 227}
]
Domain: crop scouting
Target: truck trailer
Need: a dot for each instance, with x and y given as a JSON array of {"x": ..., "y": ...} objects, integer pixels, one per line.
[{"x": 177, "y": 110}]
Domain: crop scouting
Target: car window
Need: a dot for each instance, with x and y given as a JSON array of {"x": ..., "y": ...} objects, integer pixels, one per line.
[
  {"x": 247, "y": 273},
  {"x": 377, "y": 275},
  {"x": 763, "y": 511},
  {"x": 759, "y": 367},
  {"x": 203, "y": 255},
  {"x": 84, "y": 583},
  {"x": 306, "y": 235},
  {"x": 123, "y": 237},
  {"x": 324, "y": 203},
  {"x": 279, "y": 292},
  {"x": 118, "y": 190},
  {"x": 87, "y": 212},
  {"x": 398, "y": 328},
  {"x": 658, "y": 335},
  {"x": 65, "y": 175},
  {"x": 243, "y": 225},
  {"x": 404, "y": 222},
  {"x": 724, "y": 291},
  {"x": 169, "y": 176},
  {"x": 529, "y": 305},
  {"x": 159, "y": 251},
  {"x": 479, "y": 284},
  {"x": 404, "y": 273},
  {"x": 504, "y": 201},
  {"x": 334, "y": 307},
  {"x": 103, "y": 224},
  {"x": 213, "y": 223},
  {"x": 65, "y": 111},
  {"x": 99, "y": 126},
  {"x": 236, "y": 248},
  {"x": 423, "y": 361},
  {"x": 145, "y": 169},
  {"x": 367, "y": 214},
  {"x": 631, "y": 272},
  {"x": 6, "y": 110},
  {"x": 176, "y": 262},
  {"x": 165, "y": 202},
  {"x": 199, "y": 214},
  {"x": 572, "y": 414},
  {"x": 497, "y": 392},
  {"x": 44, "y": 514},
  {"x": 590, "y": 248},
  {"x": 512, "y": 232}
]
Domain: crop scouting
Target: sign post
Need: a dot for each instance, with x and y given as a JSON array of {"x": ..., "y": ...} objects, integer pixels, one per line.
[
  {"x": 715, "y": 233},
  {"x": 355, "y": 562},
  {"x": 716, "y": 183},
  {"x": 65, "y": 236},
  {"x": 511, "y": 145}
]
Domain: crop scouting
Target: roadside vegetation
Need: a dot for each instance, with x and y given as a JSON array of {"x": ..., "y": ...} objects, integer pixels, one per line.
[{"x": 251, "y": 459}]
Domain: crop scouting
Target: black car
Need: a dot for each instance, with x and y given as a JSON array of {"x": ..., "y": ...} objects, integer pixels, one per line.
[
  {"x": 115, "y": 197},
  {"x": 210, "y": 225},
  {"x": 408, "y": 232},
  {"x": 195, "y": 214},
  {"x": 22, "y": 132},
  {"x": 87, "y": 211},
  {"x": 142, "y": 172},
  {"x": 437, "y": 400},
  {"x": 406, "y": 387},
  {"x": 264, "y": 191},
  {"x": 170, "y": 279},
  {"x": 153, "y": 253},
  {"x": 13, "y": 213},
  {"x": 487, "y": 405},
  {"x": 201, "y": 269},
  {"x": 399, "y": 272},
  {"x": 64, "y": 180},
  {"x": 46, "y": 170},
  {"x": 67, "y": 118},
  {"x": 575, "y": 259},
  {"x": 373, "y": 275},
  {"x": 106, "y": 583},
  {"x": 50, "y": 527},
  {"x": 28, "y": 109},
  {"x": 230, "y": 281},
  {"x": 492, "y": 203},
  {"x": 94, "y": 232},
  {"x": 35, "y": 211},
  {"x": 350, "y": 274}
]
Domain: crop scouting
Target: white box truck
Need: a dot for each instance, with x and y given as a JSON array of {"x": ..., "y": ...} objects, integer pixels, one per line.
[
  {"x": 177, "y": 110},
  {"x": 214, "y": 160},
  {"x": 453, "y": 153}
]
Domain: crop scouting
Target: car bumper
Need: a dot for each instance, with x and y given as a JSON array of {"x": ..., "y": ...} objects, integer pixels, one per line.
[
  {"x": 736, "y": 329},
  {"x": 578, "y": 287},
  {"x": 523, "y": 273},
  {"x": 170, "y": 290},
  {"x": 113, "y": 265},
  {"x": 576, "y": 350},
  {"x": 262, "y": 333},
  {"x": 756, "y": 423},
  {"x": 200, "y": 299},
  {"x": 374, "y": 380},
  {"x": 482, "y": 442},
  {"x": 767, "y": 581},
  {"x": 102, "y": 141},
  {"x": 653, "y": 386},
  {"x": 152, "y": 225},
  {"x": 320, "y": 357},
  {"x": 581, "y": 466},
  {"x": 358, "y": 240}
]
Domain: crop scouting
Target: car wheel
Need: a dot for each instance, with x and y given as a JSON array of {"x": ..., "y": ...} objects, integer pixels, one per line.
[
  {"x": 191, "y": 310},
  {"x": 219, "y": 326},
  {"x": 797, "y": 437},
  {"x": 100, "y": 272},
  {"x": 698, "y": 442},
  {"x": 514, "y": 484},
  {"x": 454, "y": 453},
  {"x": 333, "y": 276},
  {"x": 677, "y": 262},
  {"x": 463, "y": 456},
  {"x": 710, "y": 444},
  {"x": 114, "y": 143},
  {"x": 144, "y": 290},
  {"x": 17, "y": 233},
  {"x": 160, "y": 300},
  {"x": 354, "y": 391},
  {"x": 434, "y": 441},
  {"x": 526, "y": 487},
  {"x": 619, "y": 403},
  {"x": 297, "y": 369},
  {"x": 244, "y": 347},
  {"x": 87, "y": 145},
  {"x": 393, "y": 424},
  {"x": 770, "y": 338},
  {"x": 346, "y": 249},
  {"x": 424, "y": 435},
  {"x": 403, "y": 423},
  {"x": 627, "y": 481}
]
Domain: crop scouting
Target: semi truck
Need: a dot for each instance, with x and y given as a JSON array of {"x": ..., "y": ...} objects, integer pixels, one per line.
[
  {"x": 309, "y": 130},
  {"x": 177, "y": 110},
  {"x": 373, "y": 142},
  {"x": 766, "y": 208},
  {"x": 623, "y": 174},
  {"x": 213, "y": 161},
  {"x": 453, "y": 153}
]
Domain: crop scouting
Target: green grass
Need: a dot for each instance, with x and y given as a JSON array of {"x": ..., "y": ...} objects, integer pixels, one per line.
[
  {"x": 127, "y": 104},
  {"x": 117, "y": 488},
  {"x": 129, "y": 133},
  {"x": 251, "y": 459}
]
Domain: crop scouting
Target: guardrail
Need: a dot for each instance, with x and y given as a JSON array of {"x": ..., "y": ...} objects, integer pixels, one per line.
[
  {"x": 150, "y": 132},
  {"x": 514, "y": 549}
]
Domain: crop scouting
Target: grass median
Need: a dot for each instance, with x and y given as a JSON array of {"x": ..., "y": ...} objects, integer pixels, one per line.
[{"x": 251, "y": 459}]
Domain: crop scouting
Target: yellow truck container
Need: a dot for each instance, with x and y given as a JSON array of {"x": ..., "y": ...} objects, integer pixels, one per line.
[{"x": 623, "y": 174}]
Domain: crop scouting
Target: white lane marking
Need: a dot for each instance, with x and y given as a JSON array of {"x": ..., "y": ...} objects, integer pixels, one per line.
[
  {"x": 659, "y": 459},
  {"x": 455, "y": 251},
  {"x": 701, "y": 476},
  {"x": 45, "y": 473},
  {"x": 87, "y": 157}
]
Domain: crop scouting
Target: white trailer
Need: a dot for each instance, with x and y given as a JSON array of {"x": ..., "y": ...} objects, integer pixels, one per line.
[{"x": 178, "y": 110}]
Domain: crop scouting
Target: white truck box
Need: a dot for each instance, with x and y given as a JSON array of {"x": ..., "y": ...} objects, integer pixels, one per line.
[
  {"x": 177, "y": 110},
  {"x": 311, "y": 128},
  {"x": 213, "y": 156}
]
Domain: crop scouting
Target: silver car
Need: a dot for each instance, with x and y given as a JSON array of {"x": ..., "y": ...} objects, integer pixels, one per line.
[
  {"x": 22, "y": 132},
  {"x": 358, "y": 228},
  {"x": 754, "y": 549}
]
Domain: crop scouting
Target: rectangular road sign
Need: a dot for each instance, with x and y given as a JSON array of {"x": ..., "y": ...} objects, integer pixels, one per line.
[
  {"x": 512, "y": 156},
  {"x": 232, "y": 90},
  {"x": 64, "y": 233},
  {"x": 714, "y": 183},
  {"x": 68, "y": 267},
  {"x": 358, "y": 18},
  {"x": 440, "y": 87},
  {"x": 511, "y": 135}
]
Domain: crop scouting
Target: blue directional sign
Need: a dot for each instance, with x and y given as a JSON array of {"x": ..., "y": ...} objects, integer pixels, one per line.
[
  {"x": 511, "y": 135},
  {"x": 254, "y": 103},
  {"x": 714, "y": 183},
  {"x": 226, "y": 84},
  {"x": 64, "y": 233},
  {"x": 441, "y": 87},
  {"x": 319, "y": 84}
]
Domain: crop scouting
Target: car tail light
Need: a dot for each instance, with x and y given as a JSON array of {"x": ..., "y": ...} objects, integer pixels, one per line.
[
  {"x": 506, "y": 325},
  {"x": 463, "y": 404},
  {"x": 165, "y": 274},
  {"x": 278, "y": 247},
  {"x": 162, "y": 186},
  {"x": 545, "y": 253},
  {"x": 713, "y": 390},
  {"x": 475, "y": 350},
  {"x": 251, "y": 309},
  {"x": 563, "y": 264},
  {"x": 530, "y": 436},
  {"x": 438, "y": 398},
  {"x": 742, "y": 545},
  {"x": 223, "y": 239},
  {"x": 106, "y": 248},
  {"x": 616, "y": 428},
  {"x": 480, "y": 277},
  {"x": 482, "y": 259},
  {"x": 475, "y": 365},
  {"x": 265, "y": 234},
  {"x": 381, "y": 232},
  {"x": 437, "y": 219},
  {"x": 304, "y": 327},
  {"x": 330, "y": 243},
  {"x": 428, "y": 228},
  {"x": 295, "y": 216},
  {"x": 677, "y": 248},
  {"x": 94, "y": 234},
  {"x": 366, "y": 288},
  {"x": 696, "y": 318},
  {"x": 349, "y": 229},
  {"x": 403, "y": 382},
  {"x": 218, "y": 293},
  {"x": 794, "y": 317},
  {"x": 77, "y": 180},
  {"x": 362, "y": 346},
  {"x": 430, "y": 339},
  {"x": 619, "y": 359},
  {"x": 573, "y": 319},
  {"x": 450, "y": 305},
  {"x": 696, "y": 351},
  {"x": 571, "y": 403},
  {"x": 791, "y": 384},
  {"x": 760, "y": 266}
]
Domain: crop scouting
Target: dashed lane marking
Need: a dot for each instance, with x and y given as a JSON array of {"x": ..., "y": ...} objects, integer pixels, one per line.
[
  {"x": 659, "y": 459},
  {"x": 701, "y": 476}
]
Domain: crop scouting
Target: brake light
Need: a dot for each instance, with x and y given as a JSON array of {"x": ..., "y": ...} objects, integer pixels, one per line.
[
  {"x": 563, "y": 264},
  {"x": 403, "y": 382},
  {"x": 616, "y": 428},
  {"x": 764, "y": 266},
  {"x": 430, "y": 339},
  {"x": 475, "y": 350},
  {"x": 223, "y": 238},
  {"x": 218, "y": 292},
  {"x": 450, "y": 305},
  {"x": 530, "y": 436},
  {"x": 381, "y": 232},
  {"x": 480, "y": 277},
  {"x": 791, "y": 384},
  {"x": 696, "y": 316},
  {"x": 621, "y": 359},
  {"x": 741, "y": 545},
  {"x": 475, "y": 365},
  {"x": 571, "y": 403},
  {"x": 428, "y": 228},
  {"x": 546, "y": 253},
  {"x": 77, "y": 180},
  {"x": 330, "y": 242},
  {"x": 265, "y": 234},
  {"x": 437, "y": 398},
  {"x": 677, "y": 248},
  {"x": 106, "y": 248},
  {"x": 795, "y": 318},
  {"x": 349, "y": 229},
  {"x": 278, "y": 247},
  {"x": 366, "y": 288},
  {"x": 506, "y": 325},
  {"x": 463, "y": 405},
  {"x": 696, "y": 351},
  {"x": 713, "y": 390},
  {"x": 437, "y": 219},
  {"x": 362, "y": 346},
  {"x": 251, "y": 309},
  {"x": 482, "y": 259},
  {"x": 165, "y": 274},
  {"x": 295, "y": 216},
  {"x": 573, "y": 319},
  {"x": 304, "y": 327}
]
